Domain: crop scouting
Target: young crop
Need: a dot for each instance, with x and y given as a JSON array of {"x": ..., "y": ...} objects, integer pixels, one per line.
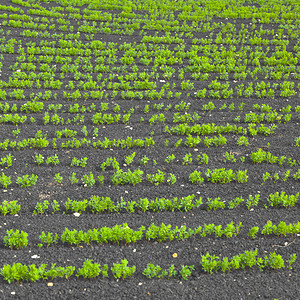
[
  {"x": 129, "y": 159},
  {"x": 91, "y": 270},
  {"x": 186, "y": 271},
  {"x": 220, "y": 175},
  {"x": 157, "y": 178},
  {"x": 58, "y": 178},
  {"x": 196, "y": 178},
  {"x": 88, "y": 179},
  {"x": 79, "y": 162},
  {"x": 41, "y": 207},
  {"x": 144, "y": 160},
  {"x": 171, "y": 179},
  {"x": 187, "y": 159},
  {"x": 5, "y": 181},
  {"x": 47, "y": 239},
  {"x": 121, "y": 177},
  {"x": 27, "y": 181},
  {"x": 253, "y": 232},
  {"x": 252, "y": 201},
  {"x": 11, "y": 207},
  {"x": 203, "y": 159},
  {"x": 215, "y": 204},
  {"x": 73, "y": 178},
  {"x": 228, "y": 157},
  {"x": 121, "y": 270},
  {"x": 52, "y": 160},
  {"x": 282, "y": 200},
  {"x": 39, "y": 159},
  {"x": 232, "y": 204},
  {"x": 15, "y": 239},
  {"x": 170, "y": 158}
]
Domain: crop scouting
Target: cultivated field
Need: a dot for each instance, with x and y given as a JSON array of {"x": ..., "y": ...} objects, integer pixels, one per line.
[{"x": 149, "y": 149}]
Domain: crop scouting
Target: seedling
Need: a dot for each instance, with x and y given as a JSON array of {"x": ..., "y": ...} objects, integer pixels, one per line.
[
  {"x": 15, "y": 239},
  {"x": 121, "y": 270}
]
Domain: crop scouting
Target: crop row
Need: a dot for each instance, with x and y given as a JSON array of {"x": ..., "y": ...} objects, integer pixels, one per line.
[
  {"x": 98, "y": 204},
  {"x": 16, "y": 239},
  {"x": 209, "y": 264},
  {"x": 35, "y": 106}
]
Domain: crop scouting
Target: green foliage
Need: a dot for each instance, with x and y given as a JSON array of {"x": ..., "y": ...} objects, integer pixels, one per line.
[
  {"x": 157, "y": 178},
  {"x": 186, "y": 271},
  {"x": 282, "y": 200},
  {"x": 252, "y": 201},
  {"x": 15, "y": 239},
  {"x": 121, "y": 177},
  {"x": 91, "y": 270},
  {"x": 27, "y": 180},
  {"x": 121, "y": 270},
  {"x": 215, "y": 204},
  {"x": 9, "y": 207},
  {"x": 48, "y": 239},
  {"x": 196, "y": 178},
  {"x": 88, "y": 179},
  {"x": 58, "y": 178},
  {"x": 253, "y": 232},
  {"x": 5, "y": 181}
]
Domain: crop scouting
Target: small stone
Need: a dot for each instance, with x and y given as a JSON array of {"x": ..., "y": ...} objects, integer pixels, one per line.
[
  {"x": 50, "y": 284},
  {"x": 35, "y": 256},
  {"x": 140, "y": 283},
  {"x": 13, "y": 293}
]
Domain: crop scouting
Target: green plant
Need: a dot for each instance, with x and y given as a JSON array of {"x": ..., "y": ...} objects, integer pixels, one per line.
[
  {"x": 215, "y": 204},
  {"x": 235, "y": 202},
  {"x": 88, "y": 179},
  {"x": 47, "y": 239},
  {"x": 283, "y": 200},
  {"x": 90, "y": 269},
  {"x": 73, "y": 178},
  {"x": 252, "y": 201},
  {"x": 129, "y": 159},
  {"x": 41, "y": 207},
  {"x": 292, "y": 259},
  {"x": 58, "y": 178},
  {"x": 121, "y": 270},
  {"x": 170, "y": 158},
  {"x": 152, "y": 271},
  {"x": 229, "y": 157},
  {"x": 52, "y": 160},
  {"x": 15, "y": 239},
  {"x": 253, "y": 232},
  {"x": 39, "y": 159},
  {"x": 27, "y": 181},
  {"x": 196, "y": 178},
  {"x": 204, "y": 159},
  {"x": 186, "y": 271},
  {"x": 171, "y": 179},
  {"x": 144, "y": 160},
  {"x": 5, "y": 180},
  {"x": 187, "y": 159}
]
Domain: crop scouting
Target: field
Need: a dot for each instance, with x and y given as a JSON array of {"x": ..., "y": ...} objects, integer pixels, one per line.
[{"x": 149, "y": 149}]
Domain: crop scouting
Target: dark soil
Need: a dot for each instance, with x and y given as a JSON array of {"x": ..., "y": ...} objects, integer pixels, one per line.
[{"x": 240, "y": 284}]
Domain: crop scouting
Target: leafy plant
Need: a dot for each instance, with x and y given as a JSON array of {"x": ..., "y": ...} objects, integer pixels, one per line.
[
  {"x": 121, "y": 270},
  {"x": 5, "y": 180},
  {"x": 15, "y": 239},
  {"x": 27, "y": 180},
  {"x": 186, "y": 271},
  {"x": 58, "y": 178}
]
